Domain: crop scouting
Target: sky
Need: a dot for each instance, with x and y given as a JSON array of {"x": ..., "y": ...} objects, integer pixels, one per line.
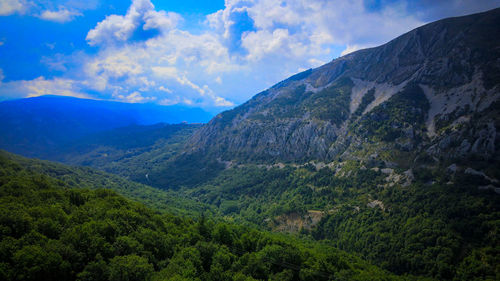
[{"x": 209, "y": 54}]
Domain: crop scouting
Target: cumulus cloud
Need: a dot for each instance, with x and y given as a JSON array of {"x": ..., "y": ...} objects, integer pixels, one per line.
[
  {"x": 249, "y": 45},
  {"x": 173, "y": 63},
  {"x": 9, "y": 7},
  {"x": 136, "y": 97},
  {"x": 351, "y": 48},
  {"x": 41, "y": 86},
  {"x": 298, "y": 27},
  {"x": 117, "y": 28},
  {"x": 61, "y": 16}
]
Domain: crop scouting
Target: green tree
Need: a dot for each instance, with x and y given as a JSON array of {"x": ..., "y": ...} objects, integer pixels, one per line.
[{"x": 129, "y": 268}]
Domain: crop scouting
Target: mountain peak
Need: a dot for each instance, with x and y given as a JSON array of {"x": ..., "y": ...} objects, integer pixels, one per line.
[{"x": 445, "y": 75}]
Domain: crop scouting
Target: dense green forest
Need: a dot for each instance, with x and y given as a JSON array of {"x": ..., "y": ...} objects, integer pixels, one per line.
[
  {"x": 446, "y": 228},
  {"x": 85, "y": 177},
  {"x": 51, "y": 230}
]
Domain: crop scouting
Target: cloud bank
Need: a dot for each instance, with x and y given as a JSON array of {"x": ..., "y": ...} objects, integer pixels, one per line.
[
  {"x": 248, "y": 45},
  {"x": 147, "y": 55},
  {"x": 62, "y": 15},
  {"x": 9, "y": 7}
]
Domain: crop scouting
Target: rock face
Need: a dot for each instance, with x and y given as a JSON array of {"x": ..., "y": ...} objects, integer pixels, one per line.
[{"x": 434, "y": 90}]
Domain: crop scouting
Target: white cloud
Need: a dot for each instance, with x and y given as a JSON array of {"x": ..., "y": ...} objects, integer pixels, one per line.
[
  {"x": 57, "y": 86},
  {"x": 58, "y": 61},
  {"x": 285, "y": 37},
  {"x": 117, "y": 63},
  {"x": 172, "y": 59},
  {"x": 300, "y": 27},
  {"x": 118, "y": 29},
  {"x": 169, "y": 101},
  {"x": 61, "y": 16},
  {"x": 351, "y": 48},
  {"x": 1, "y": 76},
  {"x": 316, "y": 62},
  {"x": 165, "y": 71},
  {"x": 113, "y": 28},
  {"x": 9, "y": 7},
  {"x": 136, "y": 97},
  {"x": 222, "y": 102},
  {"x": 41, "y": 86},
  {"x": 161, "y": 20},
  {"x": 165, "y": 89},
  {"x": 263, "y": 42}
]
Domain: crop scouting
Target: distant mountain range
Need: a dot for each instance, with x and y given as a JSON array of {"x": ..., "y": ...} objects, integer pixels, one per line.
[{"x": 36, "y": 126}]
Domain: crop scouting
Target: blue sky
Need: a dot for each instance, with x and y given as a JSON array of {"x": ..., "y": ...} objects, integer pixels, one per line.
[{"x": 209, "y": 54}]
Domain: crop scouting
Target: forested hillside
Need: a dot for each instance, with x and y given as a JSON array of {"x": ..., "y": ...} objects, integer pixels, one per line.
[
  {"x": 50, "y": 230},
  {"x": 430, "y": 222},
  {"x": 85, "y": 177}
]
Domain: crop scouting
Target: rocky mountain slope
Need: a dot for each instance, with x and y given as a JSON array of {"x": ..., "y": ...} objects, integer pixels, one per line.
[{"x": 432, "y": 93}]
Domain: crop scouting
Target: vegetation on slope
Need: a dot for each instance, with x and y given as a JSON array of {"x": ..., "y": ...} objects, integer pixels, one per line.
[
  {"x": 84, "y": 177},
  {"x": 446, "y": 229},
  {"x": 51, "y": 231},
  {"x": 407, "y": 201},
  {"x": 133, "y": 152},
  {"x": 401, "y": 116}
]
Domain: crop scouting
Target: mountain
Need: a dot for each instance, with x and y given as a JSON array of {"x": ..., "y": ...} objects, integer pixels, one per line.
[
  {"x": 132, "y": 152},
  {"x": 39, "y": 127},
  {"x": 390, "y": 152},
  {"x": 433, "y": 90}
]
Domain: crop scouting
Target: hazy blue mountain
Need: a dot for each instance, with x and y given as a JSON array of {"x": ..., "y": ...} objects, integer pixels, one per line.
[
  {"x": 35, "y": 126},
  {"x": 132, "y": 152}
]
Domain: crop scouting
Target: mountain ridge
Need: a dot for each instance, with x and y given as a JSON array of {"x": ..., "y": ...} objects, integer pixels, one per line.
[
  {"x": 37, "y": 127},
  {"x": 451, "y": 65}
]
